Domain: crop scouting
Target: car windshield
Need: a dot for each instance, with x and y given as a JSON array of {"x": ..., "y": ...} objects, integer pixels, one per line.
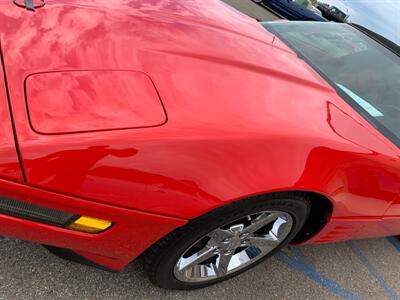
[{"x": 365, "y": 73}]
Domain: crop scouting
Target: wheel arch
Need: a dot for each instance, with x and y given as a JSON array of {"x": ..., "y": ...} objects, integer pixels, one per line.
[
  {"x": 320, "y": 213},
  {"x": 321, "y": 209}
]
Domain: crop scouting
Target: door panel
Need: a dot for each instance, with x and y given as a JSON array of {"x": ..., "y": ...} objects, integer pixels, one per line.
[
  {"x": 394, "y": 209},
  {"x": 282, "y": 7},
  {"x": 9, "y": 163},
  {"x": 296, "y": 10}
]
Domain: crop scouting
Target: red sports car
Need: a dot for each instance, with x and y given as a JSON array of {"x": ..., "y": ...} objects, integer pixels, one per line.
[{"x": 190, "y": 134}]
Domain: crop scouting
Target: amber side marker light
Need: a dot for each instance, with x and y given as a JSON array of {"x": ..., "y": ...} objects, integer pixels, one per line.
[
  {"x": 89, "y": 225},
  {"x": 53, "y": 217}
]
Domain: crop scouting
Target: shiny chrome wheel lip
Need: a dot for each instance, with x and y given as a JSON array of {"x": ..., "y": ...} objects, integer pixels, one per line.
[{"x": 233, "y": 246}]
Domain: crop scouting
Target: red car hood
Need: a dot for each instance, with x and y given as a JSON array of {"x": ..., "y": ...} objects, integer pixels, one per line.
[{"x": 143, "y": 35}]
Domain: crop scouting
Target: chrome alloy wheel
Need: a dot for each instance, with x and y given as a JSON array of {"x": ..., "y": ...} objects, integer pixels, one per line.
[{"x": 233, "y": 246}]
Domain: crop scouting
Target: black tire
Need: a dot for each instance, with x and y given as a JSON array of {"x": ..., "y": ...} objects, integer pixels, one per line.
[{"x": 160, "y": 259}]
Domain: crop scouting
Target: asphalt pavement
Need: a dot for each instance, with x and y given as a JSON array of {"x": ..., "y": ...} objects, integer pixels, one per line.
[{"x": 366, "y": 269}]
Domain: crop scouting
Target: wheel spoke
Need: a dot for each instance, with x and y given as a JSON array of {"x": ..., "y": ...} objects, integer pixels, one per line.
[
  {"x": 223, "y": 264},
  {"x": 236, "y": 229},
  {"x": 196, "y": 258},
  {"x": 280, "y": 228},
  {"x": 261, "y": 221}
]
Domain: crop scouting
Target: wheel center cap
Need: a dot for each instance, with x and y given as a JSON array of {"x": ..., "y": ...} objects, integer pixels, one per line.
[{"x": 234, "y": 243}]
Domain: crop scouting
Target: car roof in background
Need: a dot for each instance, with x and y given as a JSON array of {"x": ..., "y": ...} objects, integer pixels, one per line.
[{"x": 380, "y": 16}]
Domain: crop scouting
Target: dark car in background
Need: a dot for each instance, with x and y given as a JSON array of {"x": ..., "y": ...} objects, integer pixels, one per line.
[
  {"x": 293, "y": 9},
  {"x": 332, "y": 13},
  {"x": 381, "y": 17}
]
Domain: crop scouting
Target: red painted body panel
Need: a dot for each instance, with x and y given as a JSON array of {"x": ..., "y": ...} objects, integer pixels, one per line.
[
  {"x": 394, "y": 209},
  {"x": 245, "y": 116},
  {"x": 342, "y": 229}
]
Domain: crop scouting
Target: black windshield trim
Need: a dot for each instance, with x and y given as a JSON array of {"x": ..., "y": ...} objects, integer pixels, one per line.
[{"x": 392, "y": 46}]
